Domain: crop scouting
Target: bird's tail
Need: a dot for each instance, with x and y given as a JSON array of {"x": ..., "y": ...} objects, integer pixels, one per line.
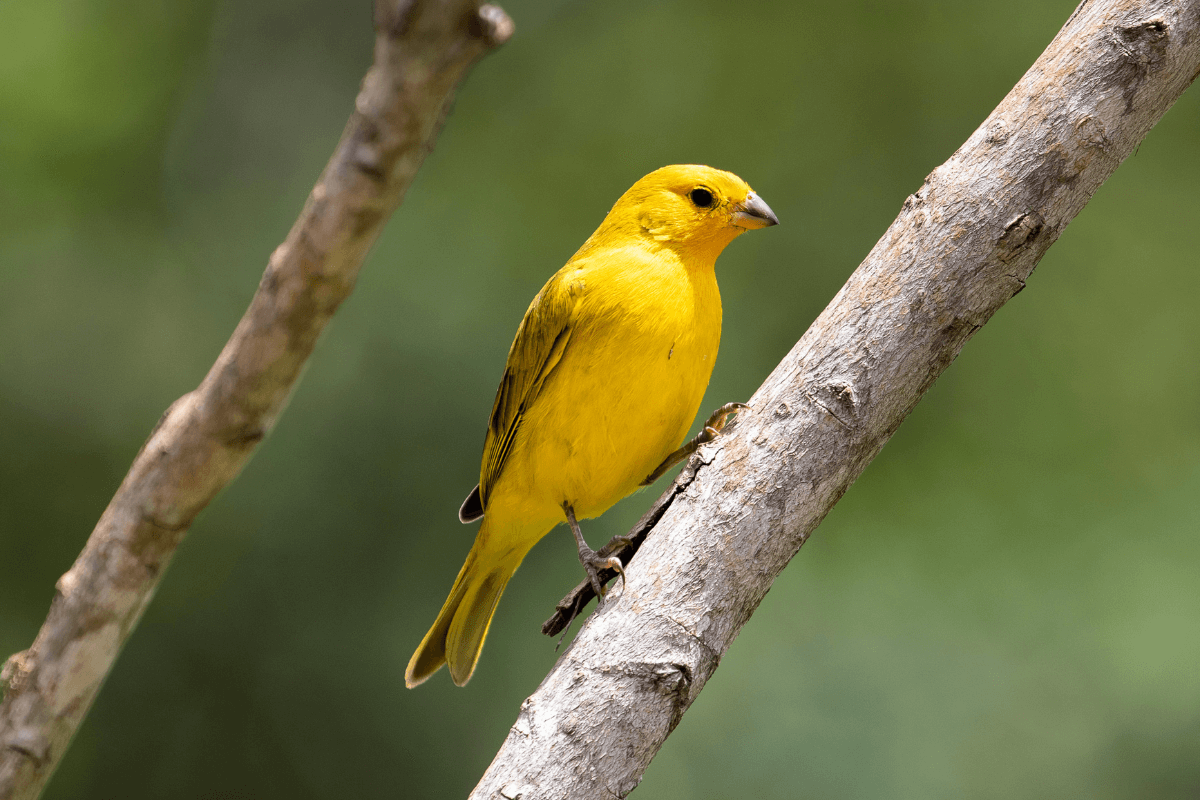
[{"x": 457, "y": 635}]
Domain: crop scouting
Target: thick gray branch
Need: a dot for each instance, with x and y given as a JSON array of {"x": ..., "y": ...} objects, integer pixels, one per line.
[
  {"x": 963, "y": 244},
  {"x": 423, "y": 48}
]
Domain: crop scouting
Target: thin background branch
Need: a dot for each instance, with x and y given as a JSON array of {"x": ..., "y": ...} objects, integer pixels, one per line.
[
  {"x": 963, "y": 245},
  {"x": 423, "y": 48}
]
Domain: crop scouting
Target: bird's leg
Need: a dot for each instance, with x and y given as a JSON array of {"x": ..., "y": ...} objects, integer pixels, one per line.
[
  {"x": 592, "y": 561},
  {"x": 714, "y": 425}
]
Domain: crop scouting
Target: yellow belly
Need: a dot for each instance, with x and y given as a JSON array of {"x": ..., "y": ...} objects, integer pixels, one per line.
[{"x": 621, "y": 399}]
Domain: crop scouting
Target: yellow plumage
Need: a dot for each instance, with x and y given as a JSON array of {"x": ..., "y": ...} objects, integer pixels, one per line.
[{"x": 601, "y": 384}]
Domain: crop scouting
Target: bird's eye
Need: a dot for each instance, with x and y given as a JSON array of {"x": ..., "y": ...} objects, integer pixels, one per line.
[{"x": 702, "y": 198}]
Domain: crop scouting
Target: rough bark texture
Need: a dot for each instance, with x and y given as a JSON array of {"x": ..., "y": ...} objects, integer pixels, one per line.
[
  {"x": 963, "y": 244},
  {"x": 423, "y": 48}
]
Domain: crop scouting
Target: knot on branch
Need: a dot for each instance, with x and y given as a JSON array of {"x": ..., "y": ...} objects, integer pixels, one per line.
[
  {"x": 1151, "y": 31},
  {"x": 1019, "y": 234},
  {"x": 674, "y": 681},
  {"x": 917, "y": 198},
  {"x": 998, "y": 133},
  {"x": 837, "y": 398},
  {"x": 1091, "y": 132},
  {"x": 491, "y": 24},
  {"x": 32, "y": 744},
  {"x": 397, "y": 18},
  {"x": 14, "y": 673},
  {"x": 1142, "y": 46},
  {"x": 65, "y": 585}
]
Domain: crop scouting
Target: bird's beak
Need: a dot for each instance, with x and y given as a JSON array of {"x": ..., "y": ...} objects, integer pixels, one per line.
[{"x": 753, "y": 213}]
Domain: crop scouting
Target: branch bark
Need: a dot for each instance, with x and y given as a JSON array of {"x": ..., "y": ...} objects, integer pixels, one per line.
[
  {"x": 962, "y": 246},
  {"x": 423, "y": 48}
]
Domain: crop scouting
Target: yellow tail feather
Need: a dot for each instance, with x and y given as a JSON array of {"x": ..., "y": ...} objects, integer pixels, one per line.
[{"x": 457, "y": 635}]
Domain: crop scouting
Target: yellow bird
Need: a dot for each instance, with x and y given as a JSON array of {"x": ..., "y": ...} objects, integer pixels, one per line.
[{"x": 601, "y": 385}]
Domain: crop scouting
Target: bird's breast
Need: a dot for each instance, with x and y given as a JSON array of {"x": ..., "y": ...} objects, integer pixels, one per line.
[{"x": 625, "y": 392}]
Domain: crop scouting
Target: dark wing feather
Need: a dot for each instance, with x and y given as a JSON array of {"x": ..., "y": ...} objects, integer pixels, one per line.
[
  {"x": 472, "y": 507},
  {"x": 538, "y": 347}
]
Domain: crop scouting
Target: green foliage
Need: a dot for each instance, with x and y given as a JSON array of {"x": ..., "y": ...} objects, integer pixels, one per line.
[{"x": 1004, "y": 606}]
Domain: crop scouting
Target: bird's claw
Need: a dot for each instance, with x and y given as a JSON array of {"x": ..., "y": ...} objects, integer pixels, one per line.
[
  {"x": 594, "y": 563},
  {"x": 614, "y": 563},
  {"x": 716, "y": 422}
]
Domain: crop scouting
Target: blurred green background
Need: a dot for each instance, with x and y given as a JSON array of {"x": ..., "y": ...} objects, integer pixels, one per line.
[{"x": 1007, "y": 604}]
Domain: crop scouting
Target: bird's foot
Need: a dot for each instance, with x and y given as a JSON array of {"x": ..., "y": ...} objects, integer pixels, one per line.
[
  {"x": 716, "y": 422},
  {"x": 593, "y": 562},
  {"x": 713, "y": 426}
]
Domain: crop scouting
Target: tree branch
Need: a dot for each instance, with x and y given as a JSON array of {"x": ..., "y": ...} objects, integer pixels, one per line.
[
  {"x": 423, "y": 48},
  {"x": 963, "y": 245}
]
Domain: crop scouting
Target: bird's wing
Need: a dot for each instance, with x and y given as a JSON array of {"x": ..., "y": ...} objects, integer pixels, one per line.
[{"x": 538, "y": 347}]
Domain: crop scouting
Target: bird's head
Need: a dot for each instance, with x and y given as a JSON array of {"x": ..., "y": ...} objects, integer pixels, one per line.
[{"x": 691, "y": 208}]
